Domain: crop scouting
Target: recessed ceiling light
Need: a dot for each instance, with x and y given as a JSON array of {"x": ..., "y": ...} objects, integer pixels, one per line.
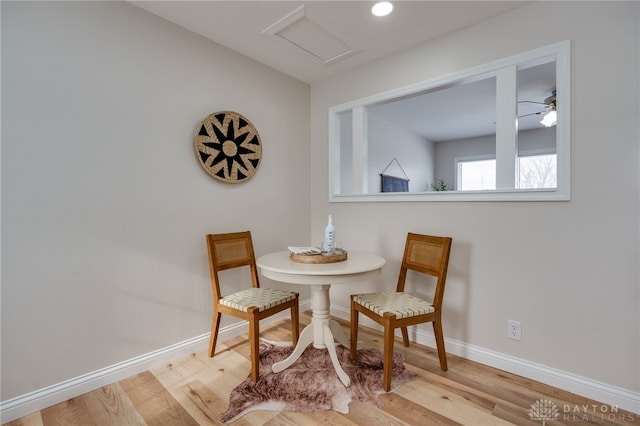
[{"x": 382, "y": 8}]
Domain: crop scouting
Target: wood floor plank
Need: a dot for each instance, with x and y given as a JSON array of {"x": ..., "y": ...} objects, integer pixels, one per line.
[
  {"x": 184, "y": 370},
  {"x": 311, "y": 419},
  {"x": 206, "y": 397},
  {"x": 73, "y": 412},
  {"x": 412, "y": 413},
  {"x": 448, "y": 404},
  {"x": 255, "y": 418},
  {"x": 240, "y": 345},
  {"x": 206, "y": 407},
  {"x": 515, "y": 414},
  {"x": 154, "y": 402},
  {"x": 110, "y": 406},
  {"x": 361, "y": 413},
  {"x": 33, "y": 419},
  {"x": 201, "y": 367},
  {"x": 233, "y": 369},
  {"x": 472, "y": 395}
]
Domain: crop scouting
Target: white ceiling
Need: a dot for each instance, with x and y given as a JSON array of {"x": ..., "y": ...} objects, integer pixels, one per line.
[
  {"x": 258, "y": 29},
  {"x": 240, "y": 25}
]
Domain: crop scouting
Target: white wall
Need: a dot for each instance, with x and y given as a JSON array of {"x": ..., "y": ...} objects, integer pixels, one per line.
[
  {"x": 567, "y": 270},
  {"x": 104, "y": 204},
  {"x": 386, "y": 141}
]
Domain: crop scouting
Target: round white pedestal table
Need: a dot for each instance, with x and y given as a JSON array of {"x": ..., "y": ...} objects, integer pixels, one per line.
[{"x": 323, "y": 331}]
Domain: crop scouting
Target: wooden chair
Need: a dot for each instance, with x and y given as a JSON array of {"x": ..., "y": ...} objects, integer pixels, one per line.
[
  {"x": 235, "y": 250},
  {"x": 422, "y": 253}
]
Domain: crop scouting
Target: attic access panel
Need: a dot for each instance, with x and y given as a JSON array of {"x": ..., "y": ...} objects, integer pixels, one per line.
[{"x": 301, "y": 32}]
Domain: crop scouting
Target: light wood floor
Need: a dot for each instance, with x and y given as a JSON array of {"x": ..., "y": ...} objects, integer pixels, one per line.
[{"x": 195, "y": 391}]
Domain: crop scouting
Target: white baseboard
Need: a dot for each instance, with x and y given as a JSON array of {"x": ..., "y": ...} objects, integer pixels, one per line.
[
  {"x": 34, "y": 401},
  {"x": 612, "y": 396}
]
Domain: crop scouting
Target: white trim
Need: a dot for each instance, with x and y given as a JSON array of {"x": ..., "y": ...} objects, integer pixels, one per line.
[
  {"x": 31, "y": 402},
  {"x": 602, "y": 392},
  {"x": 506, "y": 126},
  {"x": 541, "y": 194},
  {"x": 360, "y": 148}
]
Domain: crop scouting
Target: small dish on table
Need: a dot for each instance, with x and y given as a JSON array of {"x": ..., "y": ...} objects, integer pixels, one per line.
[{"x": 316, "y": 255}]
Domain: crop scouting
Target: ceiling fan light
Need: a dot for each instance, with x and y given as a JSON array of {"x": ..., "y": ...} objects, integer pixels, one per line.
[
  {"x": 550, "y": 119},
  {"x": 382, "y": 8}
]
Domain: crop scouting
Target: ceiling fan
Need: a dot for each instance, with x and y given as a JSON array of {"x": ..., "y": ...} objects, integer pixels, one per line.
[{"x": 550, "y": 115}]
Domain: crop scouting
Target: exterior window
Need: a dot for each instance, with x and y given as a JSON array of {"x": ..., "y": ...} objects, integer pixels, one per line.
[
  {"x": 476, "y": 175},
  {"x": 534, "y": 172},
  {"x": 537, "y": 171}
]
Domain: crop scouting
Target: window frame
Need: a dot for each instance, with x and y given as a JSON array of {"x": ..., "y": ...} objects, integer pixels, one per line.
[{"x": 562, "y": 54}]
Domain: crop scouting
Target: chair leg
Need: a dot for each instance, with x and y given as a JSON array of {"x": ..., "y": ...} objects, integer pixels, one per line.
[
  {"x": 388, "y": 355},
  {"x": 295, "y": 322},
  {"x": 215, "y": 325},
  {"x": 442, "y": 354},
  {"x": 405, "y": 336},
  {"x": 254, "y": 342},
  {"x": 354, "y": 331}
]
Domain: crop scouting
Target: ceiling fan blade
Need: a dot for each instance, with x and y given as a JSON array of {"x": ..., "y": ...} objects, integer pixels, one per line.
[
  {"x": 531, "y": 102},
  {"x": 533, "y": 113}
]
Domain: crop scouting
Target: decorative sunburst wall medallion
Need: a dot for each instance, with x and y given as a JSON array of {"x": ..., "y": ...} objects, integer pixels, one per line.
[{"x": 228, "y": 147}]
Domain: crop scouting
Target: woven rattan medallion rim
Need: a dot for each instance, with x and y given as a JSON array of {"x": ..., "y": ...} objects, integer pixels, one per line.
[{"x": 228, "y": 147}]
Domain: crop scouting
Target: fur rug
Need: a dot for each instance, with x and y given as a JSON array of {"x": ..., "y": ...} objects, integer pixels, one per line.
[{"x": 311, "y": 383}]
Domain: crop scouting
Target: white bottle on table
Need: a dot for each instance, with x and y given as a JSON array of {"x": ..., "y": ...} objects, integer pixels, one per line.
[{"x": 329, "y": 237}]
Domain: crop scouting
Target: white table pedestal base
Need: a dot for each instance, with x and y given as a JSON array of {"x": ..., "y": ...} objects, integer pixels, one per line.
[{"x": 321, "y": 332}]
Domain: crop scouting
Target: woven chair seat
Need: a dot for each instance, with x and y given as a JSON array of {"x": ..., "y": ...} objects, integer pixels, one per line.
[
  {"x": 262, "y": 298},
  {"x": 403, "y": 305}
]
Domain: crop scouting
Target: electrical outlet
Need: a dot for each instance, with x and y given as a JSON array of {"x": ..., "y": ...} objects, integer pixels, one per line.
[{"x": 513, "y": 330}]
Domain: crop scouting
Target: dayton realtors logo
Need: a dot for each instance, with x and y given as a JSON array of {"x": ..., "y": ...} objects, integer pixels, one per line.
[{"x": 545, "y": 410}]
